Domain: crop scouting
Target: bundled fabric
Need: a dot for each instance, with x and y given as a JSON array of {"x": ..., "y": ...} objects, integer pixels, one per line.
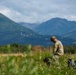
[
  {"x": 47, "y": 60},
  {"x": 71, "y": 63}
]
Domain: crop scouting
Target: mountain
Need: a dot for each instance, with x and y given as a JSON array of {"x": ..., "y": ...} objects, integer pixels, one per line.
[
  {"x": 12, "y": 32},
  {"x": 8, "y": 25},
  {"x": 56, "y": 26},
  {"x": 71, "y": 34},
  {"x": 29, "y": 25}
]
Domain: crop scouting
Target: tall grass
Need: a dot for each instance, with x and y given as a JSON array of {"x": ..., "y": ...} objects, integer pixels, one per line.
[{"x": 32, "y": 64}]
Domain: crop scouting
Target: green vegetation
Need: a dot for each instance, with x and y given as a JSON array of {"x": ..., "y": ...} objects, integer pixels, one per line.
[
  {"x": 18, "y": 48},
  {"x": 31, "y": 62}
]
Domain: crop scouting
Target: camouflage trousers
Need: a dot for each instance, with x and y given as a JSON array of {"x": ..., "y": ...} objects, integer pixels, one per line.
[{"x": 56, "y": 60}]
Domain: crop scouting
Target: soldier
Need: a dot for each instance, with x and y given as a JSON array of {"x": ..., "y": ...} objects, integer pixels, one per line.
[
  {"x": 57, "y": 52},
  {"x": 58, "y": 49}
]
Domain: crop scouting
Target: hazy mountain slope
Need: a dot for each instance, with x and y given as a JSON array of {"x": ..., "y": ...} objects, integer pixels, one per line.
[
  {"x": 71, "y": 34},
  {"x": 8, "y": 25},
  {"x": 56, "y": 26},
  {"x": 29, "y": 25},
  {"x": 10, "y": 31}
]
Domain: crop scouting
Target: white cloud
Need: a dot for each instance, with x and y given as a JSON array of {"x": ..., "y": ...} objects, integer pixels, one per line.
[{"x": 38, "y": 10}]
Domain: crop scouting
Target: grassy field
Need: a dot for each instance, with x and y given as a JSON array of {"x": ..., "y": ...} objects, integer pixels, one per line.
[{"x": 32, "y": 64}]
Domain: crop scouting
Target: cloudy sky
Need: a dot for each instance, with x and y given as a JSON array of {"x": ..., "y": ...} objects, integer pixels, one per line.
[{"x": 38, "y": 10}]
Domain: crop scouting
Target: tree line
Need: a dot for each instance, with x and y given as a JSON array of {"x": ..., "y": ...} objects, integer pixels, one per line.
[{"x": 18, "y": 48}]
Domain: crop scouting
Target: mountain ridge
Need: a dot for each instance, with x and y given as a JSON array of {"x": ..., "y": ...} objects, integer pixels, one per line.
[
  {"x": 12, "y": 32},
  {"x": 29, "y": 25},
  {"x": 56, "y": 26}
]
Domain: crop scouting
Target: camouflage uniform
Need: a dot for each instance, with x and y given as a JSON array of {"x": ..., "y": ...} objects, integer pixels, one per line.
[
  {"x": 58, "y": 48},
  {"x": 57, "y": 51}
]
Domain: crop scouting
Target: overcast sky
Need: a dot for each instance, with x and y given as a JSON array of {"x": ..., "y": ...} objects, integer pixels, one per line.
[{"x": 38, "y": 10}]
